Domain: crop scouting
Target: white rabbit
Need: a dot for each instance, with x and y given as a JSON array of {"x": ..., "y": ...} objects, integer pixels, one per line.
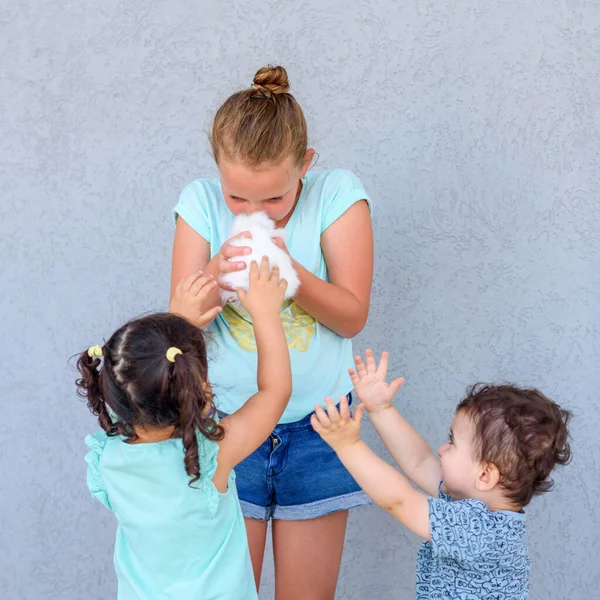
[{"x": 263, "y": 230}]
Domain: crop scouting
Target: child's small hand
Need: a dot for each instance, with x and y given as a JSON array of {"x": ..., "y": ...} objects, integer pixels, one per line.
[
  {"x": 370, "y": 385},
  {"x": 190, "y": 297},
  {"x": 266, "y": 293},
  {"x": 338, "y": 428}
]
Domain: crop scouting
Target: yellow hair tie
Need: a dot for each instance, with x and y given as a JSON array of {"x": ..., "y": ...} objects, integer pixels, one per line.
[
  {"x": 172, "y": 352},
  {"x": 95, "y": 351}
]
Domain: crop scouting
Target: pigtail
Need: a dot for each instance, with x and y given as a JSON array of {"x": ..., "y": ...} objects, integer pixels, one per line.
[
  {"x": 88, "y": 387},
  {"x": 188, "y": 382}
]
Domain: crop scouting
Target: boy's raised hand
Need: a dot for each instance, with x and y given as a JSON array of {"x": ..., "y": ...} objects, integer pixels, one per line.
[
  {"x": 338, "y": 428},
  {"x": 369, "y": 382}
]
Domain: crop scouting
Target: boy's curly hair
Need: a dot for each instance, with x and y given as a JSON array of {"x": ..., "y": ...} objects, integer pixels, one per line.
[{"x": 523, "y": 433}]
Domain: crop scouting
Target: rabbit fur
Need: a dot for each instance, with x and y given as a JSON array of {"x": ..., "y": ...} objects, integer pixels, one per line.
[{"x": 263, "y": 230}]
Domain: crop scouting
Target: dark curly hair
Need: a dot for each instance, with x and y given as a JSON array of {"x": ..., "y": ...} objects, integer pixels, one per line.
[
  {"x": 523, "y": 433},
  {"x": 142, "y": 388}
]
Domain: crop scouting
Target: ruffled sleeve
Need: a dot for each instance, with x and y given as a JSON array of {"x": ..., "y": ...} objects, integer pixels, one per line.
[
  {"x": 208, "y": 452},
  {"x": 95, "y": 482}
]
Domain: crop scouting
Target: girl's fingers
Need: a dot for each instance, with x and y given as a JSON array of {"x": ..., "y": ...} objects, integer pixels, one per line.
[
  {"x": 227, "y": 266},
  {"x": 275, "y": 274},
  {"x": 229, "y": 251},
  {"x": 265, "y": 268},
  {"x": 280, "y": 244},
  {"x": 201, "y": 283},
  {"x": 206, "y": 289},
  {"x": 209, "y": 316},
  {"x": 353, "y": 377},
  {"x": 226, "y": 286},
  {"x": 253, "y": 271},
  {"x": 184, "y": 285}
]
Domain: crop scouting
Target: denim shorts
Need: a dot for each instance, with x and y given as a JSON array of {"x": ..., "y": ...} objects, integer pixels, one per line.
[{"x": 294, "y": 475}]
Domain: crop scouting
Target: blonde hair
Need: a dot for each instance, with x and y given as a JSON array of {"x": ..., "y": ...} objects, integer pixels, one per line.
[{"x": 261, "y": 125}]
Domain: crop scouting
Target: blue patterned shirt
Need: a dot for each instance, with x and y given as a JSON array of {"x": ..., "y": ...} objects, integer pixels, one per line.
[{"x": 474, "y": 553}]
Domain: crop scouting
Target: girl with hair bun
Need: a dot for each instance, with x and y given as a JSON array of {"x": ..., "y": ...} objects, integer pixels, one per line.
[{"x": 259, "y": 141}]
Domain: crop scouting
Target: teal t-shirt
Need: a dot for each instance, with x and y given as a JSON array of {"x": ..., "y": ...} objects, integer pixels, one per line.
[
  {"x": 173, "y": 540},
  {"x": 320, "y": 358}
]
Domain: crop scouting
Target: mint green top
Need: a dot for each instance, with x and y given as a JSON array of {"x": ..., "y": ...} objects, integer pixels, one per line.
[
  {"x": 319, "y": 357},
  {"x": 174, "y": 542}
]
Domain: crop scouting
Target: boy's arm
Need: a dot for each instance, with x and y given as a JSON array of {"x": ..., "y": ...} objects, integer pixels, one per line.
[
  {"x": 388, "y": 488},
  {"x": 380, "y": 481},
  {"x": 408, "y": 449}
]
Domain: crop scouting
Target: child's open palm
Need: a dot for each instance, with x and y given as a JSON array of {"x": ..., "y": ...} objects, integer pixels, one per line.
[
  {"x": 337, "y": 427},
  {"x": 369, "y": 382}
]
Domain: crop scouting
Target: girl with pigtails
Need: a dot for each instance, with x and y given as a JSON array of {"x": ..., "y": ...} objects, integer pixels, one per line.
[{"x": 163, "y": 461}]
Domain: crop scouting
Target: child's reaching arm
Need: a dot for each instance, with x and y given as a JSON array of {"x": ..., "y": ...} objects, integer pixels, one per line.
[
  {"x": 386, "y": 486},
  {"x": 247, "y": 428},
  {"x": 408, "y": 449}
]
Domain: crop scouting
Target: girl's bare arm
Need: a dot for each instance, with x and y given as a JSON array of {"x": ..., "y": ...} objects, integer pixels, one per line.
[{"x": 342, "y": 304}]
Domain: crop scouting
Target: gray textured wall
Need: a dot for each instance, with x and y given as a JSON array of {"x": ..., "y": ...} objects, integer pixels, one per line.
[{"x": 474, "y": 125}]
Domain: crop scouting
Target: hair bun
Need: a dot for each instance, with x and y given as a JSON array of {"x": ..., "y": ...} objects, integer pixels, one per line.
[{"x": 271, "y": 80}]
